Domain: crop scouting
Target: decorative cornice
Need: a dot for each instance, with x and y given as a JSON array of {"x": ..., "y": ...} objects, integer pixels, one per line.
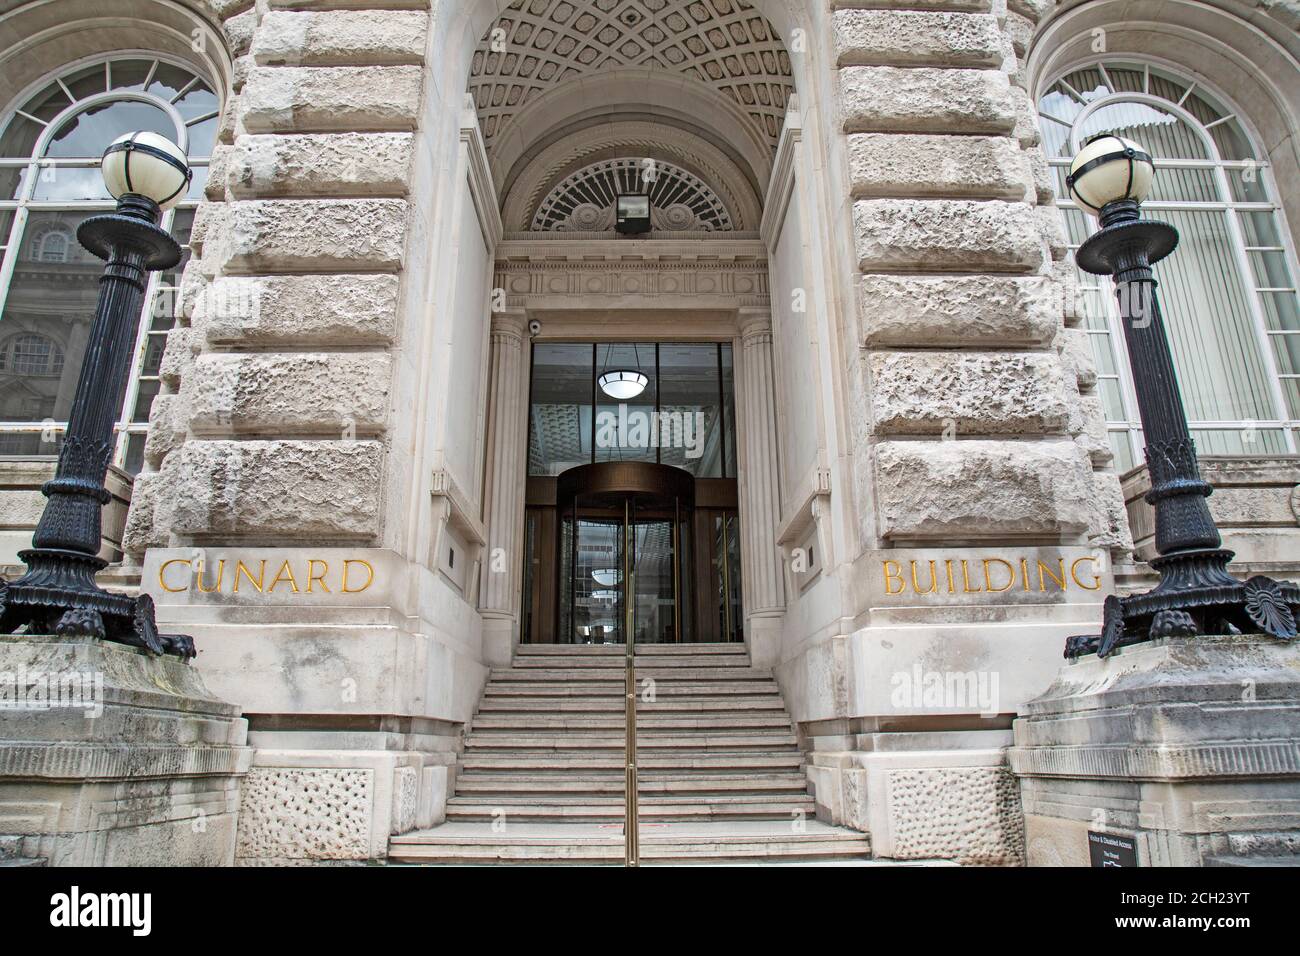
[
  {"x": 459, "y": 512},
  {"x": 479, "y": 175},
  {"x": 780, "y": 187}
]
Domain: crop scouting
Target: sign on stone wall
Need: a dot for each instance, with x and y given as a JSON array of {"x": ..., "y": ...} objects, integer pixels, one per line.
[
  {"x": 268, "y": 575},
  {"x": 920, "y": 577}
]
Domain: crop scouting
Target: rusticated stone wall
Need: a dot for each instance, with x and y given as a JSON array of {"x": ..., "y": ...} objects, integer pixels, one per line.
[
  {"x": 275, "y": 412},
  {"x": 980, "y": 420}
]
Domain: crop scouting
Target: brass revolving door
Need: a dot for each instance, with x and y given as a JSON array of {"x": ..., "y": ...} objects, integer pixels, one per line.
[{"x": 624, "y": 535}]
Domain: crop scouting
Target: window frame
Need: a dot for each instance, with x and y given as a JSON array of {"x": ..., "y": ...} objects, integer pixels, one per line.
[
  {"x": 23, "y": 205},
  {"x": 1131, "y": 426}
]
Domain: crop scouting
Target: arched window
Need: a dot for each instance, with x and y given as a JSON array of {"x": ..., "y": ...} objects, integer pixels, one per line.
[
  {"x": 1228, "y": 294},
  {"x": 51, "y": 140}
]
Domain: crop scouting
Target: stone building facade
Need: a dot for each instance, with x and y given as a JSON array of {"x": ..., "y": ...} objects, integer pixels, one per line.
[{"x": 334, "y": 450}]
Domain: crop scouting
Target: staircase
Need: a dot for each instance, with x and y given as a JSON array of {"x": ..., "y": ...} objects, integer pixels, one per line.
[{"x": 721, "y": 777}]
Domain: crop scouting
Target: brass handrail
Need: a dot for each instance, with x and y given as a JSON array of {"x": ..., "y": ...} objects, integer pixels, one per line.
[{"x": 631, "y": 834}]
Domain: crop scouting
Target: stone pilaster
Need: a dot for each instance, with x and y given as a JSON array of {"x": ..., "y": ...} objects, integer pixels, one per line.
[
  {"x": 760, "y": 494},
  {"x": 506, "y": 476}
]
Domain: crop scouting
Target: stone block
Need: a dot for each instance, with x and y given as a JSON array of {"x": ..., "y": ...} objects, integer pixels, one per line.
[
  {"x": 968, "y": 393},
  {"x": 239, "y": 31},
  {"x": 898, "y": 100},
  {"x": 1020, "y": 30},
  {"x": 142, "y": 530},
  {"x": 1052, "y": 228},
  {"x": 915, "y": 38},
  {"x": 303, "y": 490},
  {"x": 969, "y": 6},
  {"x": 1075, "y": 346},
  {"x": 1088, "y": 424},
  {"x": 946, "y": 235},
  {"x": 1110, "y": 518},
  {"x": 167, "y": 418},
  {"x": 976, "y": 167},
  {"x": 177, "y": 357},
  {"x": 331, "y": 164},
  {"x": 348, "y": 4},
  {"x": 316, "y": 235},
  {"x": 341, "y": 37},
  {"x": 327, "y": 99},
  {"x": 1032, "y": 9},
  {"x": 958, "y": 310},
  {"x": 975, "y": 489},
  {"x": 122, "y": 763},
  {"x": 340, "y": 394},
  {"x": 307, "y": 310}
]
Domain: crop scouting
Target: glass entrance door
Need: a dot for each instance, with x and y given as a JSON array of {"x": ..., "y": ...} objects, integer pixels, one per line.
[{"x": 623, "y": 569}]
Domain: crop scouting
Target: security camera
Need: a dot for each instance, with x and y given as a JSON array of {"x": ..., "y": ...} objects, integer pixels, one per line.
[{"x": 534, "y": 327}]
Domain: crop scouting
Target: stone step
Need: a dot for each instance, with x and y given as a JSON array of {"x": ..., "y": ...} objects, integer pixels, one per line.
[
  {"x": 619, "y": 650},
  {"x": 615, "y": 801},
  {"x": 616, "y": 688},
  {"x": 658, "y": 674},
  {"x": 788, "y": 808},
  {"x": 581, "y": 662},
  {"x": 713, "y": 842},
  {"x": 535, "y": 708},
  {"x": 611, "y": 781},
  {"x": 563, "y": 763},
  {"x": 645, "y": 721},
  {"x": 683, "y": 741}
]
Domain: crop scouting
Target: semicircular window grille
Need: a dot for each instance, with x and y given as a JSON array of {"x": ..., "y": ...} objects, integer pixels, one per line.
[{"x": 679, "y": 200}]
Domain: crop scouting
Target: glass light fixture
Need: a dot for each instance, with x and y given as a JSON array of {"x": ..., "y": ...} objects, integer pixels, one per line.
[
  {"x": 1109, "y": 169},
  {"x": 607, "y": 577},
  {"x": 604, "y": 595},
  {"x": 146, "y": 164},
  {"x": 622, "y": 383}
]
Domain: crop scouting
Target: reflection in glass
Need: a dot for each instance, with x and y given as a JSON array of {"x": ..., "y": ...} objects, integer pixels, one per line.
[
  {"x": 625, "y": 430},
  {"x": 559, "y": 426}
]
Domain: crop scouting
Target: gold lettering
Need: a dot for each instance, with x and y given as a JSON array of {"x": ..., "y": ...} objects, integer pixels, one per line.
[
  {"x": 890, "y": 576},
  {"x": 221, "y": 573},
  {"x": 1074, "y": 573},
  {"x": 346, "y": 566},
  {"x": 279, "y": 576},
  {"x": 988, "y": 581},
  {"x": 163, "y": 570},
  {"x": 256, "y": 582},
  {"x": 312, "y": 578},
  {"x": 1024, "y": 573},
  {"x": 933, "y": 587},
  {"x": 965, "y": 580},
  {"x": 948, "y": 568},
  {"x": 1060, "y": 581}
]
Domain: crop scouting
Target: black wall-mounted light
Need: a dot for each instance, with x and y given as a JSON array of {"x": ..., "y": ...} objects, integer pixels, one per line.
[{"x": 632, "y": 214}]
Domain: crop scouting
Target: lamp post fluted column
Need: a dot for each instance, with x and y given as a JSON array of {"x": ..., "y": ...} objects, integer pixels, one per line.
[
  {"x": 58, "y": 594},
  {"x": 1196, "y": 593}
]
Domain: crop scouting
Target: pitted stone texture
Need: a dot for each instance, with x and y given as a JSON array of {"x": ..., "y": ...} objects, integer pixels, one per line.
[
  {"x": 977, "y": 167},
  {"x": 214, "y": 189},
  {"x": 143, "y": 530},
  {"x": 341, "y": 37},
  {"x": 224, "y": 9},
  {"x": 239, "y": 32},
  {"x": 1026, "y": 129},
  {"x": 967, "y": 6},
  {"x": 277, "y": 235},
  {"x": 167, "y": 417},
  {"x": 1033, "y": 9},
  {"x": 895, "y": 100},
  {"x": 308, "y": 310},
  {"x": 322, "y": 99},
  {"x": 1075, "y": 346},
  {"x": 1052, "y": 228},
  {"x": 328, "y": 164},
  {"x": 959, "y": 310},
  {"x": 1020, "y": 30},
  {"x": 942, "y": 235},
  {"x": 1044, "y": 190},
  {"x": 968, "y": 393},
  {"x": 334, "y": 393},
  {"x": 1110, "y": 528},
  {"x": 1088, "y": 424},
  {"x": 914, "y": 38},
  {"x": 968, "y": 489},
  {"x": 348, "y": 4},
  {"x": 288, "y": 490},
  {"x": 968, "y": 814},
  {"x": 178, "y": 356},
  {"x": 310, "y": 813}
]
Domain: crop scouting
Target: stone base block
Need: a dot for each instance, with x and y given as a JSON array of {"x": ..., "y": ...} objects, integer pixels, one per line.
[
  {"x": 301, "y": 806},
  {"x": 110, "y": 756},
  {"x": 1188, "y": 746},
  {"x": 923, "y": 796}
]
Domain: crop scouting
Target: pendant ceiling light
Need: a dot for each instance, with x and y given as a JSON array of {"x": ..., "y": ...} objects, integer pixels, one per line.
[
  {"x": 622, "y": 383},
  {"x": 607, "y": 577}
]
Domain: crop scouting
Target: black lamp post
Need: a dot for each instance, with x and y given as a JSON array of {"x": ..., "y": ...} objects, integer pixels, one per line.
[
  {"x": 1196, "y": 595},
  {"x": 146, "y": 173}
]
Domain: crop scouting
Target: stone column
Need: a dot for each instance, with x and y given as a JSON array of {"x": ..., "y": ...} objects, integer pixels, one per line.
[
  {"x": 760, "y": 494},
  {"x": 504, "y": 495}
]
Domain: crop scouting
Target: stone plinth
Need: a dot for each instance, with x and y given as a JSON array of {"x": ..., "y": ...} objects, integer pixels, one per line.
[
  {"x": 1189, "y": 745},
  {"x": 111, "y": 756}
]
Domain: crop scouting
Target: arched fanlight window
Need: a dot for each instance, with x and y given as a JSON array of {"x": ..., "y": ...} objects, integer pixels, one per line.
[
  {"x": 51, "y": 140},
  {"x": 1228, "y": 295},
  {"x": 31, "y": 355}
]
